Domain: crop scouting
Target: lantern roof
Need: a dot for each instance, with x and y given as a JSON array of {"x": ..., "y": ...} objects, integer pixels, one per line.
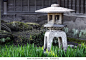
[{"x": 54, "y": 9}]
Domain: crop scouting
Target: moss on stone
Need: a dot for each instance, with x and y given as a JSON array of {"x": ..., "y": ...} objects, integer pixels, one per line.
[
  {"x": 19, "y": 26},
  {"x": 5, "y": 36},
  {"x": 30, "y": 23},
  {"x": 34, "y": 25}
]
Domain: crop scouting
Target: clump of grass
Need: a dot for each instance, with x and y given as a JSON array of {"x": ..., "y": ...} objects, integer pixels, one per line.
[
  {"x": 21, "y": 51},
  {"x": 34, "y": 51},
  {"x": 71, "y": 52}
]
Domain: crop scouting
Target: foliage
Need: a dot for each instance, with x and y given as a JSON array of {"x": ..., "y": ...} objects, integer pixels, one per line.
[
  {"x": 5, "y": 36},
  {"x": 5, "y": 39},
  {"x": 38, "y": 39},
  {"x": 66, "y": 30},
  {"x": 34, "y": 36},
  {"x": 76, "y": 52},
  {"x": 3, "y": 31},
  {"x": 75, "y": 40},
  {"x": 18, "y": 26},
  {"x": 76, "y": 33},
  {"x": 31, "y": 51},
  {"x": 34, "y": 25},
  {"x": 82, "y": 33},
  {"x": 22, "y": 51},
  {"x": 5, "y": 27},
  {"x": 2, "y": 21},
  {"x": 21, "y": 40}
]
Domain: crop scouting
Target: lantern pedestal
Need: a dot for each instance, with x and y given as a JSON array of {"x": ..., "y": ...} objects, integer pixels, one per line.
[{"x": 48, "y": 39}]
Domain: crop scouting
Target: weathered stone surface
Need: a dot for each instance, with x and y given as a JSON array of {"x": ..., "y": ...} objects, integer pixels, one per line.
[
  {"x": 5, "y": 27},
  {"x": 71, "y": 45},
  {"x": 4, "y": 34},
  {"x": 48, "y": 39},
  {"x": 75, "y": 22}
]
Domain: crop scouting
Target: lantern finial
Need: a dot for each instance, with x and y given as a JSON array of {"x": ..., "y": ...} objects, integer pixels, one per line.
[{"x": 55, "y": 5}]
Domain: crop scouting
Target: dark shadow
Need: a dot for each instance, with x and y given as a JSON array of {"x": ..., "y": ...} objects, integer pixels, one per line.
[
  {"x": 45, "y": 44},
  {"x": 55, "y": 41}
]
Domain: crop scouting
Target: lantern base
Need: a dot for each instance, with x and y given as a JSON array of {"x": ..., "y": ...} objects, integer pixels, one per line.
[{"x": 49, "y": 36}]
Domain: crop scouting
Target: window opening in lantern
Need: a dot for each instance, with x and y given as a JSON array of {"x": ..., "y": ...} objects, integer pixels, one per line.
[
  {"x": 56, "y": 17},
  {"x": 50, "y": 17}
]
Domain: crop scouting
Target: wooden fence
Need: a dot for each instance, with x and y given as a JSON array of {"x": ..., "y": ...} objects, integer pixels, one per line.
[
  {"x": 78, "y": 5},
  {"x": 31, "y": 5}
]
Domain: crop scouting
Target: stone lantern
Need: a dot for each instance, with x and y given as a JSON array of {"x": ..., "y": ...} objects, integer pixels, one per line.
[{"x": 54, "y": 25}]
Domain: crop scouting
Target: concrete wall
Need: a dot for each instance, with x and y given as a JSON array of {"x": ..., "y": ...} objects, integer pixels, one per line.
[{"x": 78, "y": 5}]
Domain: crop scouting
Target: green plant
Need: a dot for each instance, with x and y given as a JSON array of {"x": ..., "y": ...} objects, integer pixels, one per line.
[
  {"x": 21, "y": 40},
  {"x": 34, "y": 25},
  {"x": 75, "y": 40},
  {"x": 75, "y": 32},
  {"x": 5, "y": 39},
  {"x": 2, "y": 21},
  {"x": 82, "y": 33},
  {"x": 2, "y": 40},
  {"x": 18, "y": 26},
  {"x": 38, "y": 39},
  {"x": 66, "y": 29},
  {"x": 34, "y": 51},
  {"x": 8, "y": 38}
]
